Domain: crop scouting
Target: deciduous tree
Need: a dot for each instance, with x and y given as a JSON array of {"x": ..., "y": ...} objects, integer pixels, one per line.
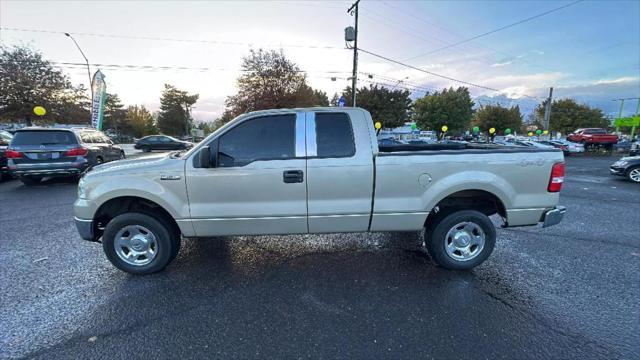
[
  {"x": 450, "y": 107},
  {"x": 498, "y": 117},
  {"x": 391, "y": 107},
  {"x": 28, "y": 80},
  {"x": 269, "y": 81},
  {"x": 140, "y": 121},
  {"x": 567, "y": 115}
]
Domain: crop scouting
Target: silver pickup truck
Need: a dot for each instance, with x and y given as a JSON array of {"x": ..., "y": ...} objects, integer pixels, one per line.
[{"x": 316, "y": 170}]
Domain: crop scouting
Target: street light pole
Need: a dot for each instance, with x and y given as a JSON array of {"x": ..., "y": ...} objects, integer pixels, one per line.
[{"x": 86, "y": 60}]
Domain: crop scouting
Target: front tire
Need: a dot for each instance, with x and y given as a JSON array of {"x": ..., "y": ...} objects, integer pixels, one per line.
[
  {"x": 460, "y": 240},
  {"x": 633, "y": 174},
  {"x": 140, "y": 244}
]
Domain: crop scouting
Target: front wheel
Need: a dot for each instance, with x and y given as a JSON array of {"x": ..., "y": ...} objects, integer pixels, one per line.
[
  {"x": 139, "y": 244},
  {"x": 460, "y": 240},
  {"x": 634, "y": 174}
]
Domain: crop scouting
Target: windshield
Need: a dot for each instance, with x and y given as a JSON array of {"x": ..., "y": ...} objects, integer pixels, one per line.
[{"x": 37, "y": 137}]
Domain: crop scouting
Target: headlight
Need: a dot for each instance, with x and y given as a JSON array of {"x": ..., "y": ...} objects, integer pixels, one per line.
[{"x": 81, "y": 189}]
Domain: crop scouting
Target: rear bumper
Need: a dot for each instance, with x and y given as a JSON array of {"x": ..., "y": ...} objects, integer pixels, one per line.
[
  {"x": 554, "y": 216},
  {"x": 85, "y": 228},
  {"x": 49, "y": 169}
]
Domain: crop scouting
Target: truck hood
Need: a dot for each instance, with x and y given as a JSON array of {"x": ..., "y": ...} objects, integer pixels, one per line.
[{"x": 153, "y": 163}]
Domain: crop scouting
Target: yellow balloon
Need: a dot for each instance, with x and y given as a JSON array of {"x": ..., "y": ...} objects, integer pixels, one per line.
[
  {"x": 39, "y": 110},
  {"x": 378, "y": 125},
  {"x": 444, "y": 128},
  {"x": 546, "y": 132},
  {"x": 530, "y": 133},
  {"x": 492, "y": 130}
]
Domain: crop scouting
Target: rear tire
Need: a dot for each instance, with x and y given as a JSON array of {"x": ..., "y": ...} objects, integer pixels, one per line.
[
  {"x": 460, "y": 240},
  {"x": 31, "y": 180},
  {"x": 140, "y": 244}
]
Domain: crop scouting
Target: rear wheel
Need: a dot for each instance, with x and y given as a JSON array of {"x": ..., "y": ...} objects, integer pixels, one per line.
[
  {"x": 31, "y": 180},
  {"x": 122, "y": 156},
  {"x": 460, "y": 240},
  {"x": 633, "y": 174},
  {"x": 140, "y": 244}
]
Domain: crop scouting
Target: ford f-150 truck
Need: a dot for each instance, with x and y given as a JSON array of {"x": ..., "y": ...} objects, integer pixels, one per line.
[
  {"x": 593, "y": 136},
  {"x": 316, "y": 170}
]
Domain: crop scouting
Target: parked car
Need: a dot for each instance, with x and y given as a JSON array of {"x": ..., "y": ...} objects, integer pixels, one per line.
[
  {"x": 5, "y": 139},
  {"x": 161, "y": 142},
  {"x": 635, "y": 148},
  {"x": 623, "y": 146},
  {"x": 38, "y": 152},
  {"x": 593, "y": 136},
  {"x": 316, "y": 170},
  {"x": 574, "y": 148},
  {"x": 389, "y": 142},
  {"x": 628, "y": 167}
]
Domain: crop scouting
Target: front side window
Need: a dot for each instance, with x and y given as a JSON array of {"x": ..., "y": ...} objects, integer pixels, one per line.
[
  {"x": 261, "y": 138},
  {"x": 334, "y": 135}
]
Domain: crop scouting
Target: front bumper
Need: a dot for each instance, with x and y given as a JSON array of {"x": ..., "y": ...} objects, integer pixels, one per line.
[
  {"x": 613, "y": 170},
  {"x": 85, "y": 228},
  {"x": 554, "y": 216}
]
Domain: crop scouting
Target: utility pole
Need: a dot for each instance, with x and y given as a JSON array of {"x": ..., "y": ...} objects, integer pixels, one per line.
[
  {"x": 547, "y": 110},
  {"x": 354, "y": 79}
]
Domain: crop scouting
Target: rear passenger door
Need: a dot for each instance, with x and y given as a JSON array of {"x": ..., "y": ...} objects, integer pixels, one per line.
[{"x": 339, "y": 177}]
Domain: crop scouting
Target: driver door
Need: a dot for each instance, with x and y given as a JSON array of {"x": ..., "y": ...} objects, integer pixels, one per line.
[{"x": 257, "y": 180}]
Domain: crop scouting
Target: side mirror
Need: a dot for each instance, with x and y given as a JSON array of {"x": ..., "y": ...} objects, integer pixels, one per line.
[{"x": 204, "y": 157}]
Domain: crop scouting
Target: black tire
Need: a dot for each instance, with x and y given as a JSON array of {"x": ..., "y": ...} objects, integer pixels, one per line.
[
  {"x": 629, "y": 173},
  {"x": 168, "y": 242},
  {"x": 31, "y": 180},
  {"x": 146, "y": 150},
  {"x": 122, "y": 155},
  {"x": 436, "y": 234},
  {"x": 99, "y": 160}
]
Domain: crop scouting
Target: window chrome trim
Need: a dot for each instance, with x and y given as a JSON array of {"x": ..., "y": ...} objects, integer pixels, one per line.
[
  {"x": 301, "y": 149},
  {"x": 312, "y": 146}
]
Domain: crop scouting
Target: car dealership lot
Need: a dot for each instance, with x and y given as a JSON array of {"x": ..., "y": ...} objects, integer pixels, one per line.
[{"x": 569, "y": 291}]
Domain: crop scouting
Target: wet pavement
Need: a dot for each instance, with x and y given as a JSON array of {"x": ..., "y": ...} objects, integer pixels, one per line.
[{"x": 569, "y": 291}]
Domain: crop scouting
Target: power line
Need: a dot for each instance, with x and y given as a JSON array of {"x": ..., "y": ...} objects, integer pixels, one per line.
[
  {"x": 435, "y": 74},
  {"x": 495, "y": 30},
  {"x": 458, "y": 35},
  {"x": 162, "y": 67},
  {"x": 132, "y": 37}
]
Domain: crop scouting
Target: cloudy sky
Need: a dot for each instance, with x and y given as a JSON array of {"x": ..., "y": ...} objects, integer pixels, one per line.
[{"x": 589, "y": 50}]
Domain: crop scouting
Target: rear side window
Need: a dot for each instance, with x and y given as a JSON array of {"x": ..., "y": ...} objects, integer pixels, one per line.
[
  {"x": 261, "y": 138},
  {"x": 44, "y": 138},
  {"x": 334, "y": 135}
]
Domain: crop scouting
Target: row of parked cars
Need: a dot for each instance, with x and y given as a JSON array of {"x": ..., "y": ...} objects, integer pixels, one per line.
[{"x": 34, "y": 153}]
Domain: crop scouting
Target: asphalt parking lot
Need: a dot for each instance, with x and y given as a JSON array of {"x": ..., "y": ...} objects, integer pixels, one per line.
[{"x": 569, "y": 291}]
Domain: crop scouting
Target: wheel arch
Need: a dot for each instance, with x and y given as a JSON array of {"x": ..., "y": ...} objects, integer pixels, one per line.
[{"x": 123, "y": 204}]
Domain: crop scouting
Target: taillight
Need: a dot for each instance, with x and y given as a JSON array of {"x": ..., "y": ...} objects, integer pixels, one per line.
[
  {"x": 557, "y": 177},
  {"x": 12, "y": 154},
  {"x": 79, "y": 151}
]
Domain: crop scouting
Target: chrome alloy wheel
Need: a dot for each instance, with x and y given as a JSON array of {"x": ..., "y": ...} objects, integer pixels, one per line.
[
  {"x": 634, "y": 175},
  {"x": 136, "y": 245},
  {"x": 464, "y": 241}
]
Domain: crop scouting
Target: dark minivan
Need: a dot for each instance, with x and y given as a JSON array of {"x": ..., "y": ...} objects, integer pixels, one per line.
[
  {"x": 38, "y": 152},
  {"x": 161, "y": 142}
]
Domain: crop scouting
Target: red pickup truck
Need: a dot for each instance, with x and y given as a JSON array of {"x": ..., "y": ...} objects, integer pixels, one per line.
[{"x": 593, "y": 136}]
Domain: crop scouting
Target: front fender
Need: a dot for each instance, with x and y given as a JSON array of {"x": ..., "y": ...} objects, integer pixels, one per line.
[{"x": 169, "y": 194}]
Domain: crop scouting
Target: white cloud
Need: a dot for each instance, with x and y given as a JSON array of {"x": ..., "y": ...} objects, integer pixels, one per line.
[{"x": 501, "y": 64}]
